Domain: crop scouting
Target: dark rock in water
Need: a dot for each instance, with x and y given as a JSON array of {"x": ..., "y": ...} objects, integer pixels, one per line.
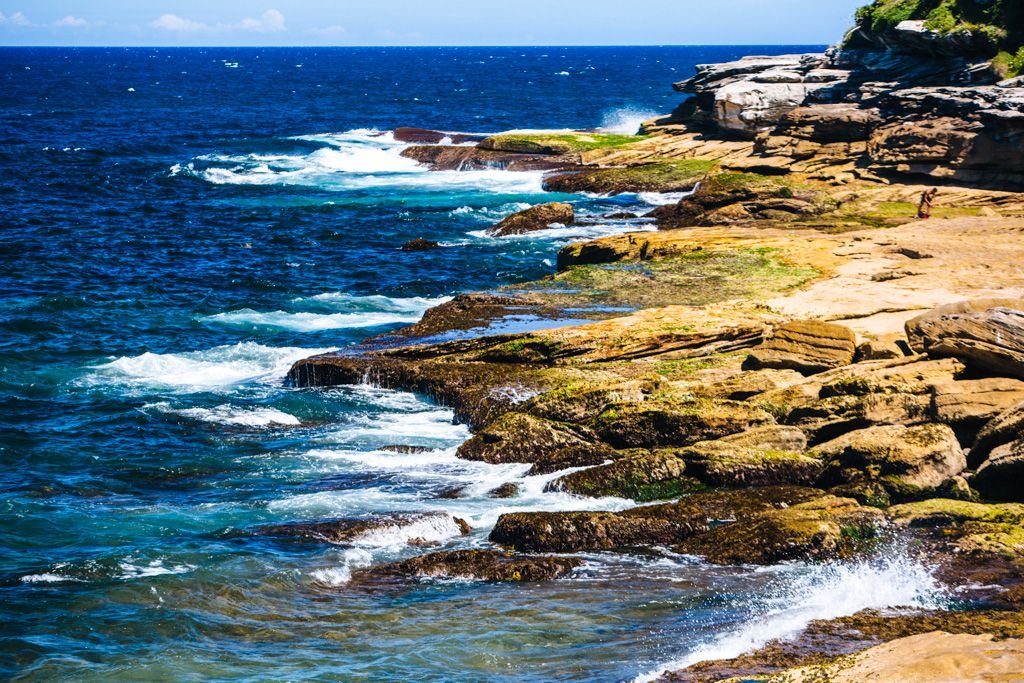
[
  {"x": 807, "y": 346},
  {"x": 481, "y": 565},
  {"x": 420, "y": 244},
  {"x": 642, "y": 477},
  {"x": 987, "y": 334},
  {"x": 620, "y": 215},
  {"x": 424, "y": 136},
  {"x": 583, "y": 531},
  {"x": 515, "y": 437},
  {"x": 406, "y": 450},
  {"x": 453, "y": 493},
  {"x": 580, "y": 455},
  {"x": 535, "y": 218},
  {"x": 507, "y": 490},
  {"x": 460, "y": 158},
  {"x": 349, "y": 530}
]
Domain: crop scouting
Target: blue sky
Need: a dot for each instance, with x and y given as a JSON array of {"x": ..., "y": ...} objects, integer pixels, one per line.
[{"x": 423, "y": 22}]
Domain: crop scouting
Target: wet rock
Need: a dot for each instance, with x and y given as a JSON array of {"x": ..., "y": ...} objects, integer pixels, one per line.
[
  {"x": 424, "y": 136},
  {"x": 807, "y": 346},
  {"x": 478, "y": 565},
  {"x": 507, "y": 490},
  {"x": 987, "y": 334},
  {"x": 350, "y": 530},
  {"x": 588, "y": 531},
  {"x": 621, "y": 215},
  {"x": 822, "y": 529},
  {"x": 907, "y": 461},
  {"x": 999, "y": 431},
  {"x": 405, "y": 450},
  {"x": 420, "y": 244},
  {"x": 642, "y": 477},
  {"x": 462, "y": 158},
  {"x": 764, "y": 456},
  {"x": 535, "y": 218},
  {"x": 676, "y": 422},
  {"x": 518, "y": 438},
  {"x": 581, "y": 455}
]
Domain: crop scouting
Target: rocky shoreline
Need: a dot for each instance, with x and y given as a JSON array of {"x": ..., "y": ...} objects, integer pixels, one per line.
[{"x": 790, "y": 368}]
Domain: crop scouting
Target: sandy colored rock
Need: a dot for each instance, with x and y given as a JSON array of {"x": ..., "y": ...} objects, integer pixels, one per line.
[
  {"x": 676, "y": 421},
  {"x": 764, "y": 456},
  {"x": 535, "y": 218},
  {"x": 1001, "y": 476},
  {"x": 999, "y": 431},
  {"x": 807, "y": 346},
  {"x": 988, "y": 334},
  {"x": 972, "y": 403}
]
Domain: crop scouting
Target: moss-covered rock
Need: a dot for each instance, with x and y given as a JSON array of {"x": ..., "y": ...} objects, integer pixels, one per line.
[
  {"x": 907, "y": 461},
  {"x": 580, "y": 402},
  {"x": 821, "y": 529},
  {"x": 556, "y": 143},
  {"x": 643, "y": 477},
  {"x": 674, "y": 176},
  {"x": 670, "y": 421},
  {"x": 520, "y": 438},
  {"x": 579, "y": 455},
  {"x": 763, "y": 456},
  {"x": 479, "y": 565}
]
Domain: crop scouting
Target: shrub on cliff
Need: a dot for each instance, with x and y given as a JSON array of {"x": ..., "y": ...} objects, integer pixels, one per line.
[{"x": 997, "y": 23}]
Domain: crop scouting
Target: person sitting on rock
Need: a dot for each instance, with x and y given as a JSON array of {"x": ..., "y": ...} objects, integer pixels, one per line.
[{"x": 924, "y": 209}]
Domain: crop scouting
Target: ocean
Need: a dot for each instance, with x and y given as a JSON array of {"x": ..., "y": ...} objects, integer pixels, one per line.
[{"x": 178, "y": 227}]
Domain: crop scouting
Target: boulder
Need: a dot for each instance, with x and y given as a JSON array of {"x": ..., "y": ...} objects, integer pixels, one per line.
[
  {"x": 763, "y": 456},
  {"x": 420, "y": 244},
  {"x": 1001, "y": 476},
  {"x": 826, "y": 528},
  {"x": 582, "y": 402},
  {"x": 507, "y": 490},
  {"x": 515, "y": 437},
  {"x": 346, "y": 531},
  {"x": 987, "y": 334},
  {"x": 880, "y": 349},
  {"x": 642, "y": 477},
  {"x": 477, "y": 565},
  {"x": 589, "y": 531},
  {"x": 424, "y": 136},
  {"x": 535, "y": 218},
  {"x": 905, "y": 460},
  {"x": 750, "y": 383},
  {"x": 675, "y": 422},
  {"x": 579, "y": 455},
  {"x": 807, "y": 346},
  {"x": 972, "y": 403},
  {"x": 999, "y": 431}
]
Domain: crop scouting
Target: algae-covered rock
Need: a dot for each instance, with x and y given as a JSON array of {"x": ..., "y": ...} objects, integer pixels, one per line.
[
  {"x": 676, "y": 421},
  {"x": 907, "y": 461},
  {"x": 729, "y": 505},
  {"x": 580, "y": 402},
  {"x": 533, "y": 219},
  {"x": 824, "y": 528},
  {"x": 588, "y": 531},
  {"x": 647, "y": 476},
  {"x": 349, "y": 530},
  {"x": 420, "y": 244},
  {"x": 675, "y": 176},
  {"x": 763, "y": 456},
  {"x": 807, "y": 346},
  {"x": 579, "y": 455},
  {"x": 515, "y": 437},
  {"x": 479, "y": 565}
]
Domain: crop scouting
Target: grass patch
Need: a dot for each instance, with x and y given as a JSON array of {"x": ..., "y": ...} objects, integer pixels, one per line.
[
  {"x": 558, "y": 143},
  {"x": 667, "y": 176}
]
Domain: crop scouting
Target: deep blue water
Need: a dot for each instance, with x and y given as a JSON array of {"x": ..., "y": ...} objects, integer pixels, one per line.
[{"x": 178, "y": 227}]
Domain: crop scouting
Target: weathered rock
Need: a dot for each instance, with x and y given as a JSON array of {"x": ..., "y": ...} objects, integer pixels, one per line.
[
  {"x": 676, "y": 422},
  {"x": 535, "y": 218},
  {"x": 424, "y": 136},
  {"x": 907, "y": 461},
  {"x": 935, "y": 656},
  {"x": 763, "y": 456},
  {"x": 420, "y": 244},
  {"x": 478, "y": 565},
  {"x": 1001, "y": 476},
  {"x": 507, "y": 490},
  {"x": 988, "y": 334},
  {"x": 583, "y": 531},
  {"x": 515, "y": 437},
  {"x": 825, "y": 528},
  {"x": 465, "y": 158},
  {"x": 642, "y": 477},
  {"x": 999, "y": 431},
  {"x": 350, "y": 530},
  {"x": 971, "y": 403},
  {"x": 580, "y": 455},
  {"x": 750, "y": 383},
  {"x": 582, "y": 402},
  {"x": 654, "y": 177},
  {"x": 881, "y": 349},
  {"x": 807, "y": 346}
]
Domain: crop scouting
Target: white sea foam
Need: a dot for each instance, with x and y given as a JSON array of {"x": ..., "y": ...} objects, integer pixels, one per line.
[
  {"x": 349, "y": 302},
  {"x": 625, "y": 121},
  {"x": 309, "y": 322},
  {"x": 259, "y": 416},
  {"x": 221, "y": 366},
  {"x": 132, "y": 570},
  {"x": 822, "y": 592}
]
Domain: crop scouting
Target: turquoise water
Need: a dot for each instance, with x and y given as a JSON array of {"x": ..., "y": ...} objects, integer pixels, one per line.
[{"x": 179, "y": 227}]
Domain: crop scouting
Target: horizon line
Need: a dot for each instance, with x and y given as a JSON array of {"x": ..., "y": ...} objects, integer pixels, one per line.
[{"x": 521, "y": 47}]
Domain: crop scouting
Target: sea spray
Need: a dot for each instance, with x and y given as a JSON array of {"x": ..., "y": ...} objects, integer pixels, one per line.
[
  {"x": 825, "y": 591},
  {"x": 626, "y": 121}
]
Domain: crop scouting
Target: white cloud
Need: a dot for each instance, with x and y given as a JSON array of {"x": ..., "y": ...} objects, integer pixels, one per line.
[
  {"x": 270, "y": 21},
  {"x": 72, "y": 21},
  {"x": 172, "y": 22},
  {"x": 16, "y": 19}
]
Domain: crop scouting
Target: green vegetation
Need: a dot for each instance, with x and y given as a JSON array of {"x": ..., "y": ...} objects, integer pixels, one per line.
[
  {"x": 557, "y": 143},
  {"x": 1009, "y": 65},
  {"x": 997, "y": 24},
  {"x": 665, "y": 176}
]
